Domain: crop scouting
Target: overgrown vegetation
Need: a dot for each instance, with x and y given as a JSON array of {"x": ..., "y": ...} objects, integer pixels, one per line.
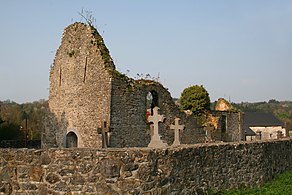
[
  {"x": 196, "y": 99},
  {"x": 281, "y": 185},
  {"x": 99, "y": 43},
  {"x": 13, "y": 117}
]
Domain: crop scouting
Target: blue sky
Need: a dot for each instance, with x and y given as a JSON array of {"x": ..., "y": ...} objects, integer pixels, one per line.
[{"x": 240, "y": 50}]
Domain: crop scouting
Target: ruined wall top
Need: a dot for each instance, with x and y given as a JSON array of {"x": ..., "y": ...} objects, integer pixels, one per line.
[
  {"x": 79, "y": 35},
  {"x": 223, "y": 105}
]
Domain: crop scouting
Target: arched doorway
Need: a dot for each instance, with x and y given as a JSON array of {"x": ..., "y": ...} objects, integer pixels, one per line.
[{"x": 71, "y": 140}]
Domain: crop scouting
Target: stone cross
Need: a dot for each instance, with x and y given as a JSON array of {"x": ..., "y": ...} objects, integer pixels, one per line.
[
  {"x": 176, "y": 127},
  {"x": 156, "y": 142}
]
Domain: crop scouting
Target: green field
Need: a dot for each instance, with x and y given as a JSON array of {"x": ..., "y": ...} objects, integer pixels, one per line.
[{"x": 281, "y": 185}]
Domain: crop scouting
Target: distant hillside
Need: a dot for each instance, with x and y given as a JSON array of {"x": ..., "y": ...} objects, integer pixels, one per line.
[
  {"x": 282, "y": 110},
  {"x": 13, "y": 115}
]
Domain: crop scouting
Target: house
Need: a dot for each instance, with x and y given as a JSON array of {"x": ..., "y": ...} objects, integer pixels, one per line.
[{"x": 263, "y": 126}]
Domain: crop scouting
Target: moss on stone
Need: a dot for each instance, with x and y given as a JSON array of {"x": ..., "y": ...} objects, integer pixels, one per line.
[{"x": 102, "y": 48}]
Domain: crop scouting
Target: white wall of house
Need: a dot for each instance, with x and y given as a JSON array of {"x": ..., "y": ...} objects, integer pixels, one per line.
[{"x": 266, "y": 133}]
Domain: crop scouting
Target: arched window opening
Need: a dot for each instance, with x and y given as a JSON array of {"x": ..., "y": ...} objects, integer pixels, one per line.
[
  {"x": 71, "y": 140},
  {"x": 152, "y": 100}
]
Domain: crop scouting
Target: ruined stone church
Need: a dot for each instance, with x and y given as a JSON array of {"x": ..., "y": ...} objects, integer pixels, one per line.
[{"x": 91, "y": 104}]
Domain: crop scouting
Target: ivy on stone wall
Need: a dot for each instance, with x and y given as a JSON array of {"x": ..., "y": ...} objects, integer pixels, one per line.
[{"x": 102, "y": 48}]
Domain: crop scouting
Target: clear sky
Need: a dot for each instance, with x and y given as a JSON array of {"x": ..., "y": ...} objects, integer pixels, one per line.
[{"x": 240, "y": 50}]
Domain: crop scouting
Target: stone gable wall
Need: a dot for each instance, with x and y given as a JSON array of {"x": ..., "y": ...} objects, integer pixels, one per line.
[
  {"x": 80, "y": 87},
  {"x": 182, "y": 170}
]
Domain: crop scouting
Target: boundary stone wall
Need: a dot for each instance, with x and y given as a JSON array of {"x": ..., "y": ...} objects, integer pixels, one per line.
[
  {"x": 182, "y": 170},
  {"x": 36, "y": 144}
]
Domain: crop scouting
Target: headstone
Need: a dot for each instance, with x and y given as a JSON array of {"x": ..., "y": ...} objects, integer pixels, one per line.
[
  {"x": 176, "y": 127},
  {"x": 156, "y": 142},
  {"x": 209, "y": 129}
]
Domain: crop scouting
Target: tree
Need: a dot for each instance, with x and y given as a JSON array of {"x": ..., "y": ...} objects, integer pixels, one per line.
[
  {"x": 195, "y": 98},
  {"x": 14, "y": 115},
  {"x": 1, "y": 120}
]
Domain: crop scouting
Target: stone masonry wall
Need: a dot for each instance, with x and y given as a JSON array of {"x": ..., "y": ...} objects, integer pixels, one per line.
[
  {"x": 80, "y": 88},
  {"x": 234, "y": 126},
  {"x": 128, "y": 115},
  {"x": 181, "y": 170}
]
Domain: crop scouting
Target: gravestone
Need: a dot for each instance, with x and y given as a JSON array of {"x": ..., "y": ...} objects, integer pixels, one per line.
[
  {"x": 209, "y": 129},
  {"x": 156, "y": 142},
  {"x": 105, "y": 134},
  {"x": 176, "y": 127}
]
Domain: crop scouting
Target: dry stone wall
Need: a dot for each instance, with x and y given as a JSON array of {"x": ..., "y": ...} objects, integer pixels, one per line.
[{"x": 182, "y": 170}]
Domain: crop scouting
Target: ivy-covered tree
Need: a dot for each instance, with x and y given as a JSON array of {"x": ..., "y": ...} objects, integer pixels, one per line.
[{"x": 195, "y": 98}]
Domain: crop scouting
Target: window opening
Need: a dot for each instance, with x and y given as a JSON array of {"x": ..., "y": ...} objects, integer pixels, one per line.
[
  {"x": 71, "y": 140},
  {"x": 60, "y": 76},
  {"x": 223, "y": 124},
  {"x": 152, "y": 100},
  {"x": 85, "y": 67}
]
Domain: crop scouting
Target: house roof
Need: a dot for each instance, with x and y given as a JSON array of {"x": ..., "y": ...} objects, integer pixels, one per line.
[
  {"x": 259, "y": 119},
  {"x": 248, "y": 131}
]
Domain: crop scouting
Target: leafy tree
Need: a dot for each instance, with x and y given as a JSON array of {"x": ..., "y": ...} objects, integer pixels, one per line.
[
  {"x": 273, "y": 101},
  {"x": 1, "y": 121},
  {"x": 10, "y": 131},
  {"x": 13, "y": 116},
  {"x": 195, "y": 98}
]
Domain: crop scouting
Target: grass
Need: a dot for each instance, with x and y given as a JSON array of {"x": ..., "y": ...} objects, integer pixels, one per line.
[{"x": 280, "y": 185}]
